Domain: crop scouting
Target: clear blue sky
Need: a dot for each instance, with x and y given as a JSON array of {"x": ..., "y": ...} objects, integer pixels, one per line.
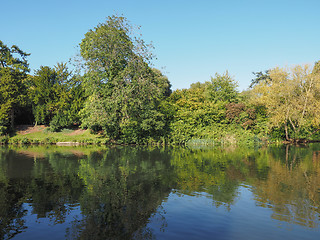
[{"x": 193, "y": 39}]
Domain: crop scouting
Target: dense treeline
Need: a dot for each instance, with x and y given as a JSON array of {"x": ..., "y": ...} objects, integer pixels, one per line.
[{"x": 115, "y": 92}]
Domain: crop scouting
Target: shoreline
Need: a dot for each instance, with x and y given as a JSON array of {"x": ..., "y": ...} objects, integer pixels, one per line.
[{"x": 41, "y": 135}]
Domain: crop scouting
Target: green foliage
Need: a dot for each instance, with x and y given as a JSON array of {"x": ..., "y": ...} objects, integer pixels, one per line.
[
  {"x": 223, "y": 88},
  {"x": 260, "y": 77},
  {"x": 4, "y": 140},
  {"x": 60, "y": 121},
  {"x": 47, "y": 136},
  {"x": 13, "y": 58},
  {"x": 57, "y": 96},
  {"x": 124, "y": 93},
  {"x": 3, "y": 128},
  {"x": 210, "y": 113},
  {"x": 13, "y": 72},
  {"x": 43, "y": 95}
]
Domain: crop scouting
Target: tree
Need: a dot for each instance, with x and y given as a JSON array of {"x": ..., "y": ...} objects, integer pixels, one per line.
[
  {"x": 260, "y": 77},
  {"x": 70, "y": 100},
  {"x": 42, "y": 93},
  {"x": 223, "y": 88},
  {"x": 200, "y": 111},
  {"x": 124, "y": 92},
  {"x": 57, "y": 96},
  {"x": 292, "y": 99},
  {"x": 13, "y": 58},
  {"x": 316, "y": 68},
  {"x": 13, "y": 72}
]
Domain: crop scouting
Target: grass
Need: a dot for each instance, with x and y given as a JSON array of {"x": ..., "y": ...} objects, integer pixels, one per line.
[
  {"x": 47, "y": 137},
  {"x": 39, "y": 150}
]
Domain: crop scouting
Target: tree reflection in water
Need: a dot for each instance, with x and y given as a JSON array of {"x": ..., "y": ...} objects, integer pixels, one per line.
[{"x": 119, "y": 189}]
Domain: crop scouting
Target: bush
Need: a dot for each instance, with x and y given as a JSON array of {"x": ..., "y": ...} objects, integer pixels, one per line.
[
  {"x": 4, "y": 139},
  {"x": 49, "y": 140},
  {"x": 60, "y": 121},
  {"x": 3, "y": 130},
  {"x": 25, "y": 141},
  {"x": 13, "y": 141},
  {"x": 47, "y": 130},
  {"x": 35, "y": 141}
]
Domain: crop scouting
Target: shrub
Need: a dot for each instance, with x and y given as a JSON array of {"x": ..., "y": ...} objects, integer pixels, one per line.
[
  {"x": 49, "y": 140},
  {"x": 13, "y": 141},
  {"x": 3, "y": 130},
  {"x": 4, "y": 139},
  {"x": 35, "y": 141},
  {"x": 24, "y": 140},
  {"x": 60, "y": 121}
]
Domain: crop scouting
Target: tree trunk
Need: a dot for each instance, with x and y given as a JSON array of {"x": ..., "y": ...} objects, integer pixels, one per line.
[
  {"x": 12, "y": 118},
  {"x": 294, "y": 129},
  {"x": 286, "y": 129}
]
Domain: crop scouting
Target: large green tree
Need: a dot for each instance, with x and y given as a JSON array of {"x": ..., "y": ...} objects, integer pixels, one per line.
[
  {"x": 13, "y": 72},
  {"x": 124, "y": 92}
]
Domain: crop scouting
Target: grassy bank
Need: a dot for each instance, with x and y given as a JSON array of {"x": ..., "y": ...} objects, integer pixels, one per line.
[
  {"x": 35, "y": 135},
  {"x": 42, "y": 135}
]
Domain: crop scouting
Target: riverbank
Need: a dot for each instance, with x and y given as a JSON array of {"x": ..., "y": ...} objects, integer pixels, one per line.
[
  {"x": 29, "y": 134},
  {"x": 40, "y": 134}
]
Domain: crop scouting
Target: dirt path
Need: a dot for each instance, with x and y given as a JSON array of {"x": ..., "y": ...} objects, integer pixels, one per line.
[{"x": 25, "y": 129}]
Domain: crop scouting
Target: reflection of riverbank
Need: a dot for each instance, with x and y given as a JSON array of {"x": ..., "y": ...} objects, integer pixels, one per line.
[
  {"x": 245, "y": 220},
  {"x": 117, "y": 190},
  {"x": 292, "y": 192},
  {"x": 285, "y": 179},
  {"x": 121, "y": 190},
  {"x": 41, "y": 151}
]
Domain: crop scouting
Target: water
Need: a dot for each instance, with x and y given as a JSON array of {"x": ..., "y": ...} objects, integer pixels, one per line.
[{"x": 152, "y": 193}]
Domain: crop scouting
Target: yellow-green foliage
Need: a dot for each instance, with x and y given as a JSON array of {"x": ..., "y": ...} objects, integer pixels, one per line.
[{"x": 291, "y": 98}]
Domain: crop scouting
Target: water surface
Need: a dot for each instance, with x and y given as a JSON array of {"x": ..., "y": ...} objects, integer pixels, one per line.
[{"x": 159, "y": 193}]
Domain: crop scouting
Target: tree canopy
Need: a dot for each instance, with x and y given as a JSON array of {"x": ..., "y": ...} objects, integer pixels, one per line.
[
  {"x": 13, "y": 72},
  {"x": 57, "y": 96},
  {"x": 123, "y": 91},
  {"x": 292, "y": 100}
]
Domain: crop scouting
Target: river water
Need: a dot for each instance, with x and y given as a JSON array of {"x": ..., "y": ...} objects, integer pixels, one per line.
[{"x": 160, "y": 193}]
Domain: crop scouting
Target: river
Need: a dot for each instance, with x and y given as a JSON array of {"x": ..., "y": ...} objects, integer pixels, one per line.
[{"x": 49, "y": 192}]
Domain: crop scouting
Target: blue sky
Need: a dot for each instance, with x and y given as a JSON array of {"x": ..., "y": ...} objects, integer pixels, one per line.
[{"x": 193, "y": 39}]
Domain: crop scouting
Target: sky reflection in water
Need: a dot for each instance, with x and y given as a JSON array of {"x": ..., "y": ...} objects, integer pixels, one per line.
[{"x": 180, "y": 193}]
